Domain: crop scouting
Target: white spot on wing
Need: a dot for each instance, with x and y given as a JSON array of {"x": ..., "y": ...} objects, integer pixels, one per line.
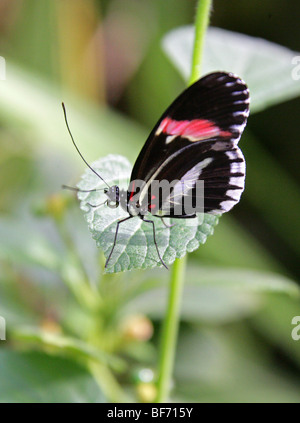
[
  {"x": 230, "y": 84},
  {"x": 236, "y": 167},
  {"x": 234, "y": 193},
  {"x": 170, "y": 138},
  {"x": 221, "y": 146},
  {"x": 221, "y": 78},
  {"x": 240, "y": 113},
  {"x": 227, "y": 205},
  {"x": 239, "y": 128},
  {"x": 186, "y": 183},
  {"x": 231, "y": 154},
  {"x": 241, "y": 101},
  {"x": 237, "y": 181},
  {"x": 246, "y": 92},
  {"x": 196, "y": 171}
]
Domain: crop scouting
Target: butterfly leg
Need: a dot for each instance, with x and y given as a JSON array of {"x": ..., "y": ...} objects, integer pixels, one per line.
[
  {"x": 85, "y": 190},
  {"x": 97, "y": 205},
  {"x": 115, "y": 239},
  {"x": 81, "y": 190},
  {"x": 187, "y": 216},
  {"x": 154, "y": 237},
  {"x": 166, "y": 225}
]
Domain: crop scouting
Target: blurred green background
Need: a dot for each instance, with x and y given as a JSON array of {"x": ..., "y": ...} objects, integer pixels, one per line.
[{"x": 75, "y": 335}]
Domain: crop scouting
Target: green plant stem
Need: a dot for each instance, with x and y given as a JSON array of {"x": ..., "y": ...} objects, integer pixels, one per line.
[
  {"x": 107, "y": 382},
  {"x": 201, "y": 24},
  {"x": 170, "y": 330},
  {"x": 172, "y": 319}
]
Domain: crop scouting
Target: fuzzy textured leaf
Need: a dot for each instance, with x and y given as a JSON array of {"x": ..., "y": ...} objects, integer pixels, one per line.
[{"x": 135, "y": 248}]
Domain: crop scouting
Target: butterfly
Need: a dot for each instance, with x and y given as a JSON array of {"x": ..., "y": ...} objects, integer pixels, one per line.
[{"x": 196, "y": 139}]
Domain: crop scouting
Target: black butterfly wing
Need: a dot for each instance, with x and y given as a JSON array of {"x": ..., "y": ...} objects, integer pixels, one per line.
[
  {"x": 222, "y": 172},
  {"x": 196, "y": 139}
]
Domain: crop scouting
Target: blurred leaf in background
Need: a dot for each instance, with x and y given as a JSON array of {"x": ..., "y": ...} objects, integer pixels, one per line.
[{"x": 65, "y": 320}]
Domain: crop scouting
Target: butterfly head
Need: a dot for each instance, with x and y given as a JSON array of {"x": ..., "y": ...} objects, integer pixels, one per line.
[{"x": 113, "y": 194}]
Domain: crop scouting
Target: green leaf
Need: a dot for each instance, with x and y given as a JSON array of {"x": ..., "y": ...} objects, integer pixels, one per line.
[
  {"x": 40, "y": 378},
  {"x": 228, "y": 364},
  {"x": 274, "y": 322},
  {"x": 243, "y": 250},
  {"x": 23, "y": 246},
  {"x": 216, "y": 295},
  {"x": 268, "y": 172},
  {"x": 41, "y": 119},
  {"x": 67, "y": 345},
  {"x": 266, "y": 67},
  {"x": 135, "y": 248}
]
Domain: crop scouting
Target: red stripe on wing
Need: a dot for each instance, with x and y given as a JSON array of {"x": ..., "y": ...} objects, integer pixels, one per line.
[
  {"x": 196, "y": 128},
  {"x": 132, "y": 192}
]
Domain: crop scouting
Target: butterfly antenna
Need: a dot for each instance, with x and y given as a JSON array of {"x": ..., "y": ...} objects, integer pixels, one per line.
[{"x": 93, "y": 170}]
